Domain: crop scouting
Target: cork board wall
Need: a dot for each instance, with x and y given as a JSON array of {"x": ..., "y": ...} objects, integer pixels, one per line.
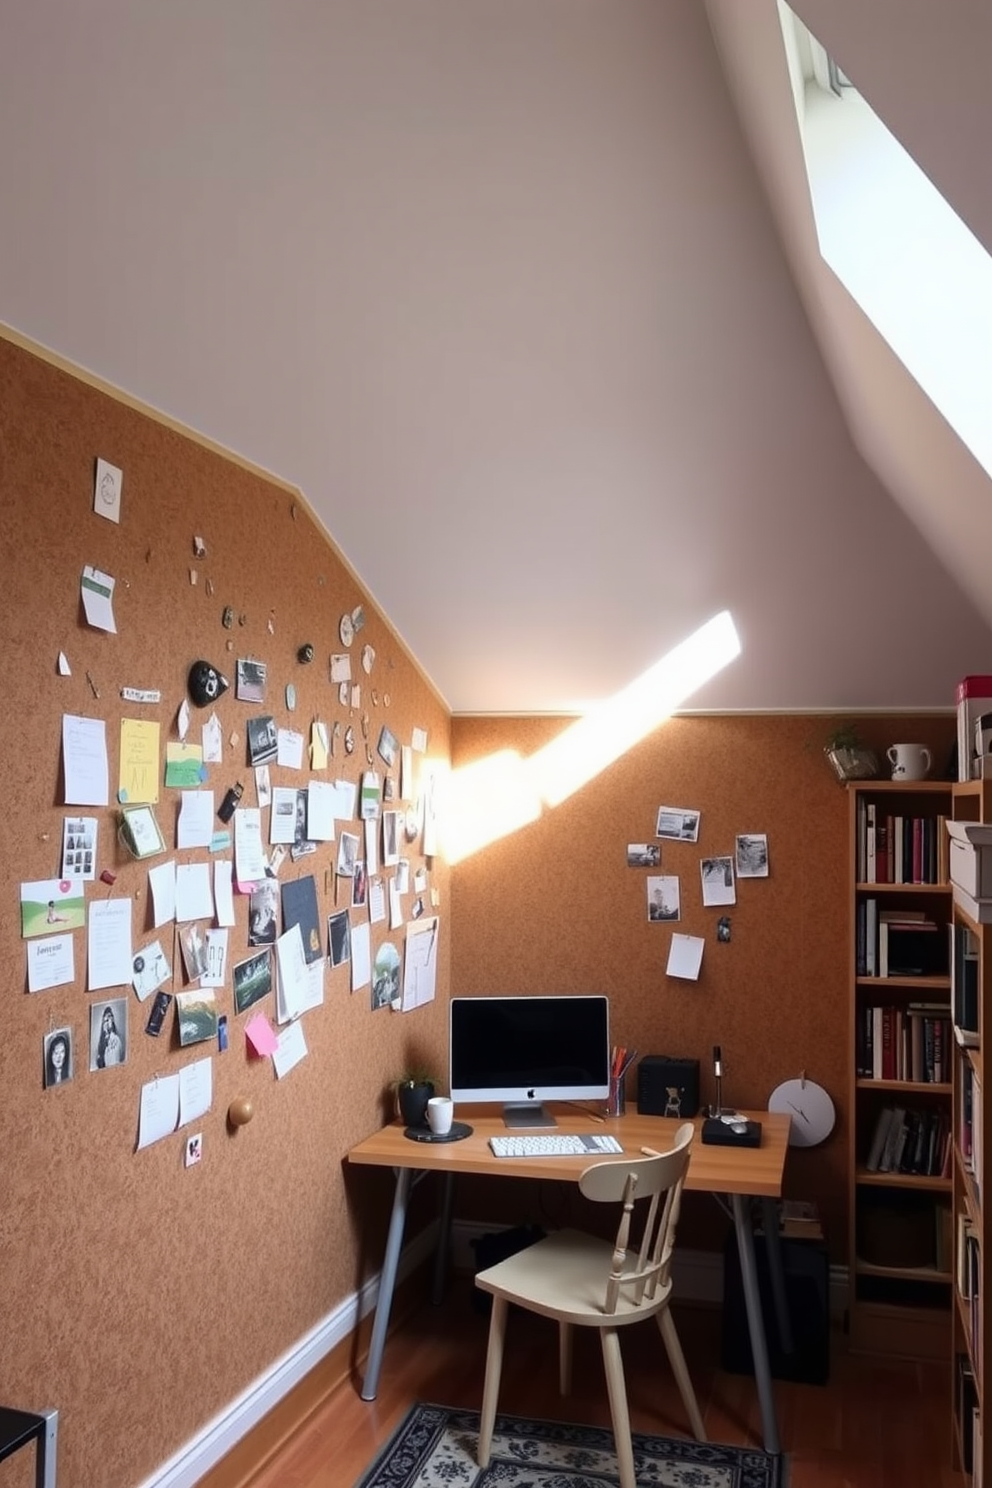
[
  {"x": 555, "y": 908},
  {"x": 142, "y": 1297}
]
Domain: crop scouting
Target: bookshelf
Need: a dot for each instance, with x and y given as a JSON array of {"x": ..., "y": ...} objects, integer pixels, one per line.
[
  {"x": 901, "y": 1239},
  {"x": 971, "y": 966}
]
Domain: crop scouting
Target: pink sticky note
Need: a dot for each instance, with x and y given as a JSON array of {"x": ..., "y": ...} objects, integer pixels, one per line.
[{"x": 261, "y": 1035}]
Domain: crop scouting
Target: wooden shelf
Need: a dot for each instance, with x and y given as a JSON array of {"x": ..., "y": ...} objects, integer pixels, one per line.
[
  {"x": 917, "y": 1087},
  {"x": 863, "y": 1177},
  {"x": 904, "y": 1273}
]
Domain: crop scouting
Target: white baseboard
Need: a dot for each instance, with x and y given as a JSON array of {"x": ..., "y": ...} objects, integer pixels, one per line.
[
  {"x": 219, "y": 1436},
  {"x": 698, "y": 1276}
]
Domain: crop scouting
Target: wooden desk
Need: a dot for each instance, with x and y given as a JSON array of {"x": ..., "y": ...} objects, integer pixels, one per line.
[{"x": 740, "y": 1173}]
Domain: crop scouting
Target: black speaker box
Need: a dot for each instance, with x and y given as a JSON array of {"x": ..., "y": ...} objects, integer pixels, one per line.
[{"x": 667, "y": 1086}]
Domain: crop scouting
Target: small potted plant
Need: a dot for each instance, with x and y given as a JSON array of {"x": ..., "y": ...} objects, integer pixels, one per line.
[
  {"x": 849, "y": 756},
  {"x": 413, "y": 1091}
]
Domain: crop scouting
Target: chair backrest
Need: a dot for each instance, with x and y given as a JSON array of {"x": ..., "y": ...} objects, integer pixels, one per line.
[{"x": 657, "y": 1177}]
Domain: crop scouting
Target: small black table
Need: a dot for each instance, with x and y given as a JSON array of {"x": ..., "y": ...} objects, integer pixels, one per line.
[{"x": 17, "y": 1428}]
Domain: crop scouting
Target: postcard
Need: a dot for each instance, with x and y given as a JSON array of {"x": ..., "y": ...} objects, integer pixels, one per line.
[
  {"x": 643, "y": 854},
  {"x": 149, "y": 969},
  {"x": 717, "y": 875},
  {"x": 197, "y": 1013},
  {"x": 250, "y": 683},
  {"x": 52, "y": 904},
  {"x": 184, "y": 765},
  {"x": 664, "y": 900},
  {"x": 252, "y": 980},
  {"x": 752, "y": 855},
  {"x": 678, "y": 823},
  {"x": 263, "y": 740}
]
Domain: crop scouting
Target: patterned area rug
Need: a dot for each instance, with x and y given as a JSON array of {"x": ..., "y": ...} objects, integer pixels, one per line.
[{"x": 435, "y": 1448}]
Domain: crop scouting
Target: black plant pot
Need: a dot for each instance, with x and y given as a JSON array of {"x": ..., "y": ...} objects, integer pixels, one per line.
[{"x": 413, "y": 1103}]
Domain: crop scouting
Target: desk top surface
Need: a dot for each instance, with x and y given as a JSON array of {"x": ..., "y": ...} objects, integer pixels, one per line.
[{"x": 712, "y": 1169}]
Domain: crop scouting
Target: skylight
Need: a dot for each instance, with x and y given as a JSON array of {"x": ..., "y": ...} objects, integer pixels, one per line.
[{"x": 915, "y": 269}]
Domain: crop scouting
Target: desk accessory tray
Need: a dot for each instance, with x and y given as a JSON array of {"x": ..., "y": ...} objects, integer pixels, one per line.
[
  {"x": 459, "y": 1129},
  {"x": 717, "y": 1133}
]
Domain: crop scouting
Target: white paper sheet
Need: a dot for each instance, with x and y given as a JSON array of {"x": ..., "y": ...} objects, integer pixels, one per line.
[
  {"x": 320, "y": 811},
  {"x": 377, "y": 900},
  {"x": 159, "y": 1109},
  {"x": 196, "y": 819},
  {"x": 212, "y": 740},
  {"x": 109, "y": 954},
  {"x": 420, "y": 964},
  {"x": 84, "y": 757},
  {"x": 51, "y": 962},
  {"x": 224, "y": 891},
  {"x": 194, "y": 896},
  {"x": 289, "y": 749},
  {"x": 361, "y": 955},
  {"x": 282, "y": 822},
  {"x": 196, "y": 1090},
  {"x": 345, "y": 797},
  {"x": 249, "y": 858},
  {"x": 685, "y": 956},
  {"x": 162, "y": 883},
  {"x": 291, "y": 967},
  {"x": 291, "y": 1048},
  {"x": 371, "y": 847},
  {"x": 395, "y": 906},
  {"x": 216, "y": 972}
]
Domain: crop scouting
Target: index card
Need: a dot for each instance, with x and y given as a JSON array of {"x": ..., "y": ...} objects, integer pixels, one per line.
[
  {"x": 291, "y": 1047},
  {"x": 196, "y": 819},
  {"x": 685, "y": 956},
  {"x": 97, "y": 591},
  {"x": 320, "y": 811},
  {"x": 289, "y": 749},
  {"x": 162, "y": 883},
  {"x": 194, "y": 898},
  {"x": 50, "y": 963}
]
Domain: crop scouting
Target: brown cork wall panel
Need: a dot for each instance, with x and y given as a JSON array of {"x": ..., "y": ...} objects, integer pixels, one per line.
[
  {"x": 141, "y": 1297},
  {"x": 554, "y": 908}
]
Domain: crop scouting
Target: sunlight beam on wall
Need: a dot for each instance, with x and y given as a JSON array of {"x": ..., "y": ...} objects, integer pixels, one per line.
[{"x": 497, "y": 795}]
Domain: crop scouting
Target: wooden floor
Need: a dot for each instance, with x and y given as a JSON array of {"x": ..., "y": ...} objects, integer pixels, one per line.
[{"x": 876, "y": 1424}]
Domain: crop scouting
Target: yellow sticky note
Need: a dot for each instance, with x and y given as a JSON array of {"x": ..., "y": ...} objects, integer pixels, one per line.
[
  {"x": 318, "y": 745},
  {"x": 138, "y": 782}
]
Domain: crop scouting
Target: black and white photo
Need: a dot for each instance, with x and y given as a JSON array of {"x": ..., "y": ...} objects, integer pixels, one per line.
[
  {"x": 678, "y": 823},
  {"x": 250, "y": 684},
  {"x": 263, "y": 740},
  {"x": 717, "y": 877},
  {"x": 58, "y": 1057},
  {"x": 664, "y": 898},
  {"x": 108, "y": 1033},
  {"x": 643, "y": 854},
  {"x": 752, "y": 855}
]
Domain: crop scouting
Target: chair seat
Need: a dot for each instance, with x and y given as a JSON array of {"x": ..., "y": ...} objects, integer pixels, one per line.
[{"x": 564, "y": 1277}]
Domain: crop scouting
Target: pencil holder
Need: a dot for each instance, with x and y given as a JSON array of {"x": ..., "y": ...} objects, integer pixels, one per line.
[{"x": 616, "y": 1101}]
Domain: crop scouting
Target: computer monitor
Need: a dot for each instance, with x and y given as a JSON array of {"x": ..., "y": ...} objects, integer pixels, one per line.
[{"x": 526, "y": 1050}]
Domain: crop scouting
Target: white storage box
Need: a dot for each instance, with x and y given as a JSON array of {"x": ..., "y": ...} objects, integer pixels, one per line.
[{"x": 971, "y": 858}]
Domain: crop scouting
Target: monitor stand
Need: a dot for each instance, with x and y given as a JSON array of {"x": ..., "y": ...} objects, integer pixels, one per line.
[{"x": 527, "y": 1113}]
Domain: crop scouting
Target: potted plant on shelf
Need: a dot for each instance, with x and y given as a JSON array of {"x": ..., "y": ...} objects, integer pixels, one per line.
[
  {"x": 848, "y": 755},
  {"x": 413, "y": 1091}
]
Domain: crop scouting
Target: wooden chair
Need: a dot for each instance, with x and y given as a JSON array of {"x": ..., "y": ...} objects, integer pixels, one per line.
[{"x": 585, "y": 1282}]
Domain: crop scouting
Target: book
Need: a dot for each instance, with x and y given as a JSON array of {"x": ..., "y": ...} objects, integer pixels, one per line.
[
  {"x": 893, "y": 1136},
  {"x": 878, "y": 1137}
]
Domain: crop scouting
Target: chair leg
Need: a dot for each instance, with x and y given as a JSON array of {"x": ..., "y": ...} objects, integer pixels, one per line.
[
  {"x": 617, "y": 1390},
  {"x": 677, "y": 1360},
  {"x": 565, "y": 1332},
  {"x": 494, "y": 1368}
]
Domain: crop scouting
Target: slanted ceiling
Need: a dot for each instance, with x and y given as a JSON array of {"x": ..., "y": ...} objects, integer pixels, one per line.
[{"x": 519, "y": 293}]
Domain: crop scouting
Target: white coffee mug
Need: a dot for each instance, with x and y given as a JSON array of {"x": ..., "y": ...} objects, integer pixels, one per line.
[
  {"x": 440, "y": 1112},
  {"x": 909, "y": 761}
]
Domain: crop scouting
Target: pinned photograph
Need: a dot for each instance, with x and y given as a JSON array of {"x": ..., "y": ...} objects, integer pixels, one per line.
[
  {"x": 677, "y": 823},
  {"x": 643, "y": 855},
  {"x": 752, "y": 855},
  {"x": 263, "y": 909},
  {"x": 149, "y": 969},
  {"x": 347, "y": 854},
  {"x": 108, "y": 1033},
  {"x": 58, "y": 1057},
  {"x": 79, "y": 847},
  {"x": 193, "y": 942},
  {"x": 723, "y": 929},
  {"x": 107, "y": 485},
  {"x": 252, "y": 980},
  {"x": 339, "y": 938},
  {"x": 263, "y": 740},
  {"x": 52, "y": 903},
  {"x": 386, "y": 975},
  {"x": 197, "y": 1014},
  {"x": 664, "y": 900},
  {"x": 250, "y": 685},
  {"x": 717, "y": 875},
  {"x": 388, "y": 746},
  {"x": 359, "y": 886}
]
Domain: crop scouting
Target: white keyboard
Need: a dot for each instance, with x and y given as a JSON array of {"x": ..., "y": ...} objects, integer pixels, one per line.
[{"x": 554, "y": 1144}]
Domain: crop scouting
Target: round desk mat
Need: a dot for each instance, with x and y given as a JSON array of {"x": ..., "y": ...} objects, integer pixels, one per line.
[{"x": 459, "y": 1129}]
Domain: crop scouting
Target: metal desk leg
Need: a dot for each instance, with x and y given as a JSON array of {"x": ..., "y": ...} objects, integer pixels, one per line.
[
  {"x": 755, "y": 1322},
  {"x": 776, "y": 1274},
  {"x": 387, "y": 1282},
  {"x": 443, "y": 1239},
  {"x": 47, "y": 1450}
]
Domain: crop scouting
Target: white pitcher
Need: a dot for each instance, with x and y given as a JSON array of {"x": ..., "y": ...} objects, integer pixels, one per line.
[{"x": 909, "y": 761}]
